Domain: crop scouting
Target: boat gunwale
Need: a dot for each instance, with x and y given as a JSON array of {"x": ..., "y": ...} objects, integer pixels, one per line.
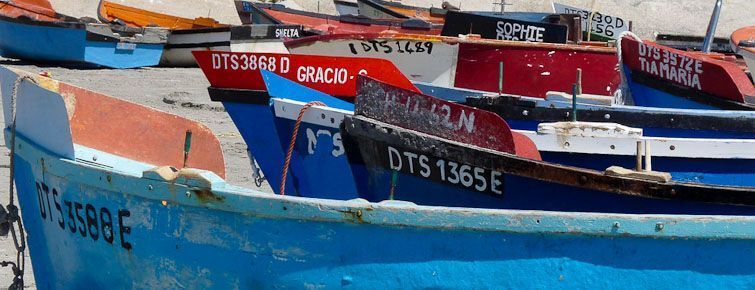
[{"x": 308, "y": 40}]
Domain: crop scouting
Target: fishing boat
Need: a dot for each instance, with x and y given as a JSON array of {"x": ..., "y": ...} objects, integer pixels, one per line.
[
  {"x": 346, "y": 7},
  {"x": 230, "y": 83},
  {"x": 32, "y": 30},
  {"x": 743, "y": 43},
  {"x": 261, "y": 13},
  {"x": 318, "y": 142},
  {"x": 241, "y": 88},
  {"x": 86, "y": 197},
  {"x": 515, "y": 26},
  {"x": 186, "y": 34},
  {"x": 379, "y": 9},
  {"x": 518, "y": 68},
  {"x": 658, "y": 76},
  {"x": 462, "y": 156},
  {"x": 267, "y": 115}
]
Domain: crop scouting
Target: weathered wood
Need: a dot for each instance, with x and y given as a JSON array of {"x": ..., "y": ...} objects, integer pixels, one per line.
[{"x": 373, "y": 136}]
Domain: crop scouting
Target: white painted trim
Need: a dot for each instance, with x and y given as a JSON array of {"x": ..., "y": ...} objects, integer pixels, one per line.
[
  {"x": 318, "y": 115},
  {"x": 660, "y": 146}
]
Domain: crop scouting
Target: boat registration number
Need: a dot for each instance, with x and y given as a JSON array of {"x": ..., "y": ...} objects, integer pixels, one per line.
[
  {"x": 125, "y": 46},
  {"x": 391, "y": 47},
  {"x": 100, "y": 224},
  {"x": 444, "y": 171}
]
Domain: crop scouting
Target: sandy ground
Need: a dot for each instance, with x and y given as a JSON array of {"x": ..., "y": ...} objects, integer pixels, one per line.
[{"x": 181, "y": 91}]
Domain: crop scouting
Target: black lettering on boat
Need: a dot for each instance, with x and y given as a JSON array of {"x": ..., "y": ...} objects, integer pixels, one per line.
[
  {"x": 124, "y": 230},
  {"x": 388, "y": 47},
  {"x": 107, "y": 225},
  {"x": 82, "y": 225},
  {"x": 83, "y": 219},
  {"x": 56, "y": 198},
  {"x": 92, "y": 224}
]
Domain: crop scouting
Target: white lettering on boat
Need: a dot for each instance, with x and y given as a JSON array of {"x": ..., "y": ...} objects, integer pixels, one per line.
[
  {"x": 671, "y": 66},
  {"x": 287, "y": 33},
  {"x": 445, "y": 171},
  {"x": 313, "y": 136},
  {"x": 320, "y": 75},
  {"x": 438, "y": 113},
  {"x": 250, "y": 62},
  {"x": 519, "y": 32}
]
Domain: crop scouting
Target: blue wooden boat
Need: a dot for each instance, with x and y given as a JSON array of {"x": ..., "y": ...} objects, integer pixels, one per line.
[
  {"x": 659, "y": 76},
  {"x": 462, "y": 156},
  {"x": 30, "y": 34},
  {"x": 131, "y": 222},
  {"x": 268, "y": 131},
  {"x": 595, "y": 146}
]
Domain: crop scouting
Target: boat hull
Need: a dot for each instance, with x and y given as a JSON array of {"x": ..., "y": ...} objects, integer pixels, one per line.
[
  {"x": 432, "y": 172},
  {"x": 659, "y": 76},
  {"x": 82, "y": 213},
  {"x": 528, "y": 69},
  {"x": 50, "y": 43},
  {"x": 258, "y": 13},
  {"x": 292, "y": 242}
]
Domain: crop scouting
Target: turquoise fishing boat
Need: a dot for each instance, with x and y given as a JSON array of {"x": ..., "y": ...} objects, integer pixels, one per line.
[
  {"x": 156, "y": 213},
  {"x": 36, "y": 33}
]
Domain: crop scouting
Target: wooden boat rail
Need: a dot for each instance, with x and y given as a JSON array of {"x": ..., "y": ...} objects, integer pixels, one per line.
[{"x": 592, "y": 47}]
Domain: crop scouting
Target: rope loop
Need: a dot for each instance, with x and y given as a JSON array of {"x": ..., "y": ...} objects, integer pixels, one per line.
[{"x": 293, "y": 142}]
